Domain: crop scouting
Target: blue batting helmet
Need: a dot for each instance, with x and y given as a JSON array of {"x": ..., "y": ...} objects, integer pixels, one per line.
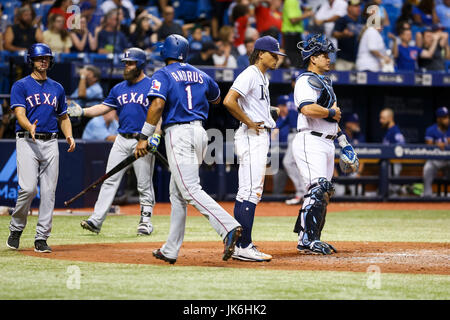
[
  {"x": 40, "y": 50},
  {"x": 316, "y": 44},
  {"x": 175, "y": 47},
  {"x": 135, "y": 54}
]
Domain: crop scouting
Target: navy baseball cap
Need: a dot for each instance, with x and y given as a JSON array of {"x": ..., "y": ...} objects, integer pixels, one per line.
[
  {"x": 351, "y": 117},
  {"x": 282, "y": 99},
  {"x": 442, "y": 112},
  {"x": 268, "y": 43}
]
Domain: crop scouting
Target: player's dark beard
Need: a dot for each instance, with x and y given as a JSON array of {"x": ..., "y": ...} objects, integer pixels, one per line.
[{"x": 131, "y": 75}]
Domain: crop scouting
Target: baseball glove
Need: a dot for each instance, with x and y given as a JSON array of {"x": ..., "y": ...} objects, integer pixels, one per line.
[
  {"x": 275, "y": 113},
  {"x": 348, "y": 160},
  {"x": 74, "y": 109}
]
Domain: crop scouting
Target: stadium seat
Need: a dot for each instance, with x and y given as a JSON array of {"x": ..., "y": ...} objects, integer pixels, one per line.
[
  {"x": 72, "y": 57},
  {"x": 393, "y": 12},
  {"x": 100, "y": 58}
]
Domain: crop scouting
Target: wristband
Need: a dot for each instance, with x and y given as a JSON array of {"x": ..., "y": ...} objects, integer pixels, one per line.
[
  {"x": 342, "y": 140},
  {"x": 83, "y": 77},
  {"x": 148, "y": 129},
  {"x": 143, "y": 136},
  {"x": 331, "y": 113}
]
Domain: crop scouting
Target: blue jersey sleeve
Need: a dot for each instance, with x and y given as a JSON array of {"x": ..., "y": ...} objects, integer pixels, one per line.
[
  {"x": 17, "y": 95},
  {"x": 62, "y": 102},
  {"x": 429, "y": 134},
  {"x": 111, "y": 99},
  {"x": 213, "y": 92},
  {"x": 160, "y": 85}
]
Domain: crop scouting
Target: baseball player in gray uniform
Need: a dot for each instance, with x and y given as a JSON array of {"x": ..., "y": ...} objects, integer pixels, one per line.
[
  {"x": 39, "y": 104},
  {"x": 180, "y": 94},
  {"x": 129, "y": 98},
  {"x": 249, "y": 101},
  {"x": 313, "y": 146}
]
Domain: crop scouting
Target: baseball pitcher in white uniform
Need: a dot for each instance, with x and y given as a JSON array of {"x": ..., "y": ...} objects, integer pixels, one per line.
[
  {"x": 248, "y": 101},
  {"x": 313, "y": 146}
]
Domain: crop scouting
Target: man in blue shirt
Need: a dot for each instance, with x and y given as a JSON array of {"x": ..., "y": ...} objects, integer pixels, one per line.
[
  {"x": 439, "y": 135},
  {"x": 393, "y": 136},
  {"x": 110, "y": 39},
  {"x": 103, "y": 127},
  {"x": 89, "y": 91}
]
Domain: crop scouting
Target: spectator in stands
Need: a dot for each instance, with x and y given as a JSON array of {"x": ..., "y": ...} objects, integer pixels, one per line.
[
  {"x": 268, "y": 15},
  {"x": 223, "y": 56},
  {"x": 441, "y": 52},
  {"x": 168, "y": 26},
  {"x": 57, "y": 37},
  {"x": 220, "y": 8},
  {"x": 195, "y": 40},
  {"x": 3, "y": 20},
  {"x": 82, "y": 39},
  {"x": 204, "y": 57},
  {"x": 59, "y": 7},
  {"x": 243, "y": 60},
  {"x": 439, "y": 135},
  {"x": 292, "y": 29},
  {"x": 241, "y": 20},
  {"x": 424, "y": 14},
  {"x": 372, "y": 55},
  {"x": 404, "y": 17},
  {"x": 226, "y": 36},
  {"x": 346, "y": 31},
  {"x": 21, "y": 35},
  {"x": 92, "y": 13},
  {"x": 89, "y": 91},
  {"x": 126, "y": 5},
  {"x": 406, "y": 56},
  {"x": 443, "y": 13},
  {"x": 109, "y": 34},
  {"x": 144, "y": 35},
  {"x": 393, "y": 135},
  {"x": 326, "y": 15},
  {"x": 103, "y": 127}
]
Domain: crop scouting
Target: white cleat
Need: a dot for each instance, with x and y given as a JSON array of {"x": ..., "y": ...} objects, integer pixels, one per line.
[
  {"x": 251, "y": 253},
  {"x": 144, "y": 229},
  {"x": 294, "y": 201},
  {"x": 235, "y": 254}
]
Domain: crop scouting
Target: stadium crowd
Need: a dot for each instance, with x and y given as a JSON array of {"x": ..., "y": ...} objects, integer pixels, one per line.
[{"x": 372, "y": 35}]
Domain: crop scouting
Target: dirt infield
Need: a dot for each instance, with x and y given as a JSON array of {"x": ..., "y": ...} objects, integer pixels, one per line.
[
  {"x": 280, "y": 209},
  {"x": 390, "y": 257}
]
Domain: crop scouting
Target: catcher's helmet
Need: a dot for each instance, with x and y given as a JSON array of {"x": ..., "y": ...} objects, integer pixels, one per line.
[
  {"x": 40, "y": 50},
  {"x": 316, "y": 44},
  {"x": 175, "y": 47},
  {"x": 135, "y": 54}
]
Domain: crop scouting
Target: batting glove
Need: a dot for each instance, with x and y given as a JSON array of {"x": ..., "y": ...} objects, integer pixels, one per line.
[
  {"x": 75, "y": 110},
  {"x": 154, "y": 142}
]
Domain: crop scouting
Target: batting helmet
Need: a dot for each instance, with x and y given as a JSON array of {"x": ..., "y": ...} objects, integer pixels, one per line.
[
  {"x": 175, "y": 47},
  {"x": 316, "y": 44},
  {"x": 135, "y": 54},
  {"x": 40, "y": 50}
]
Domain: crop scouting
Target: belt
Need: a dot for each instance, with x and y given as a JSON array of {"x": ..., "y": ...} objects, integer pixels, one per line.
[
  {"x": 319, "y": 134},
  {"x": 194, "y": 122},
  {"x": 37, "y": 135},
  {"x": 265, "y": 128},
  {"x": 130, "y": 135}
]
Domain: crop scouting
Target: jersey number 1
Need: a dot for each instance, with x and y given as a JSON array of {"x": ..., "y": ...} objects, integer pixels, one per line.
[{"x": 189, "y": 97}]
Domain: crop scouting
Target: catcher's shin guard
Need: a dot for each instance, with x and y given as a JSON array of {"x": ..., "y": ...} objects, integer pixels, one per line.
[{"x": 311, "y": 219}]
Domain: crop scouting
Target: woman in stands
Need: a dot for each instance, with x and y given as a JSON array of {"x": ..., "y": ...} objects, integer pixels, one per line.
[
  {"x": 82, "y": 39},
  {"x": 57, "y": 37}
]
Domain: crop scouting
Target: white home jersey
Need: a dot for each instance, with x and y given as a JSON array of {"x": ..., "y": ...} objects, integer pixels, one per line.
[
  {"x": 253, "y": 86},
  {"x": 304, "y": 93}
]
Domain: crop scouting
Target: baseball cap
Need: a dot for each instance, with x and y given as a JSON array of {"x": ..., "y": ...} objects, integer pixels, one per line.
[
  {"x": 268, "y": 43},
  {"x": 353, "y": 2},
  {"x": 282, "y": 99},
  {"x": 442, "y": 112},
  {"x": 351, "y": 117}
]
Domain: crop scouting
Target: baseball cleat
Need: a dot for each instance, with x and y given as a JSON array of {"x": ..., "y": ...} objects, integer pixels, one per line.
[
  {"x": 158, "y": 255},
  {"x": 144, "y": 229},
  {"x": 251, "y": 253},
  {"x": 41, "y": 246},
  {"x": 294, "y": 201},
  {"x": 86, "y": 224},
  {"x": 13, "y": 240},
  {"x": 317, "y": 247},
  {"x": 230, "y": 242},
  {"x": 235, "y": 252}
]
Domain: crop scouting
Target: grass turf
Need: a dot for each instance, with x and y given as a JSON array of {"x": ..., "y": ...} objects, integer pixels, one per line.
[{"x": 24, "y": 277}]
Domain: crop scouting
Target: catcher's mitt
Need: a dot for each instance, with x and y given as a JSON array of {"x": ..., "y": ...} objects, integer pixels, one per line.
[
  {"x": 348, "y": 161},
  {"x": 74, "y": 109}
]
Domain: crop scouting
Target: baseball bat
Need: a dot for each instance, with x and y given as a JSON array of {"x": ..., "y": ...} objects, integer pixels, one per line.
[{"x": 123, "y": 164}]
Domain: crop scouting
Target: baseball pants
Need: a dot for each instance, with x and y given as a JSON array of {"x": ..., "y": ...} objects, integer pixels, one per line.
[
  {"x": 36, "y": 161},
  {"x": 186, "y": 146},
  {"x": 291, "y": 168},
  {"x": 430, "y": 170},
  {"x": 143, "y": 168}
]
